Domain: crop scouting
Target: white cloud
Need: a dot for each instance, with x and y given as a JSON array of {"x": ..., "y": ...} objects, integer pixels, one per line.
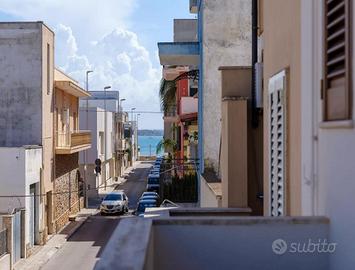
[
  {"x": 92, "y": 35},
  {"x": 88, "y": 18},
  {"x": 118, "y": 59}
]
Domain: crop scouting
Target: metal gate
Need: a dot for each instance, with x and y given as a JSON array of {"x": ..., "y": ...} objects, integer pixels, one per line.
[{"x": 17, "y": 236}]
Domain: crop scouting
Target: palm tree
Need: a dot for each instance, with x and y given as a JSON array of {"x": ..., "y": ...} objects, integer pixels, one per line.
[
  {"x": 167, "y": 91},
  {"x": 168, "y": 145}
]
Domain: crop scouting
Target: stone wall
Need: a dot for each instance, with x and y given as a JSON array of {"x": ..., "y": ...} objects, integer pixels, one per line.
[{"x": 66, "y": 186}]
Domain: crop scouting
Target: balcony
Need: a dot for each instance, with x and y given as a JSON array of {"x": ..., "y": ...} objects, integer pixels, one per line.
[
  {"x": 188, "y": 108},
  {"x": 72, "y": 142},
  {"x": 171, "y": 115},
  {"x": 121, "y": 145},
  {"x": 179, "y": 53}
]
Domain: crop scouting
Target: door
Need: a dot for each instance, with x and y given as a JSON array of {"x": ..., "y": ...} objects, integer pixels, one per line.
[
  {"x": 17, "y": 236},
  {"x": 32, "y": 214}
]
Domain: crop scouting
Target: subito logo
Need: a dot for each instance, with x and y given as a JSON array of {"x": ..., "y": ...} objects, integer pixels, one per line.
[{"x": 279, "y": 246}]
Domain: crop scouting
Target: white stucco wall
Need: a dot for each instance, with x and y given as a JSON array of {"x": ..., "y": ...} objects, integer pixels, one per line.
[
  {"x": 20, "y": 84},
  {"x": 96, "y": 124},
  {"x": 226, "y": 42},
  {"x": 208, "y": 197},
  {"x": 21, "y": 168},
  {"x": 328, "y": 154}
]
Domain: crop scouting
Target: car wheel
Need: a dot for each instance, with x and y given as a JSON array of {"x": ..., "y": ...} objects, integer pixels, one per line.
[
  {"x": 102, "y": 214},
  {"x": 126, "y": 209}
]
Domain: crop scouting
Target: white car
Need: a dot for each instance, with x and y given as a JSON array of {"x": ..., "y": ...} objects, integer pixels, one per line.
[{"x": 114, "y": 203}]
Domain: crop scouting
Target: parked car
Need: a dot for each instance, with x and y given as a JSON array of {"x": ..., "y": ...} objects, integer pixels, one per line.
[
  {"x": 114, "y": 203},
  {"x": 153, "y": 183},
  {"x": 158, "y": 162},
  {"x": 156, "y": 167},
  {"x": 149, "y": 197},
  {"x": 155, "y": 171},
  {"x": 142, "y": 205},
  {"x": 150, "y": 194}
]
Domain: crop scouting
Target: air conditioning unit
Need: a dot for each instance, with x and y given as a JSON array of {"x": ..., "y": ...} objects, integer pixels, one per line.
[{"x": 259, "y": 84}]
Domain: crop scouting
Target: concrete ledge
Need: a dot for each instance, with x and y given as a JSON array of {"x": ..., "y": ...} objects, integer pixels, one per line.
[
  {"x": 241, "y": 221},
  {"x": 210, "y": 212},
  {"x": 139, "y": 243},
  {"x": 5, "y": 262},
  {"x": 128, "y": 245}
]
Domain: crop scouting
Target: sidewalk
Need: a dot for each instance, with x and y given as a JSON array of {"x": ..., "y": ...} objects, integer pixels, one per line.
[{"x": 43, "y": 253}]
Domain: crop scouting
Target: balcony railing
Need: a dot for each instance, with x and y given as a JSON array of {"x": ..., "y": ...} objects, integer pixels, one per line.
[
  {"x": 73, "y": 141},
  {"x": 188, "y": 105},
  {"x": 171, "y": 112},
  {"x": 121, "y": 145}
]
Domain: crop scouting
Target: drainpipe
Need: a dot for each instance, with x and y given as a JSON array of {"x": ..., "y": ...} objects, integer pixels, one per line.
[
  {"x": 254, "y": 59},
  {"x": 200, "y": 99}
]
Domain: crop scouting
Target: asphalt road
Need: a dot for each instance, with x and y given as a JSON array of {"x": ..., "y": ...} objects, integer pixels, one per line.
[{"x": 84, "y": 248}]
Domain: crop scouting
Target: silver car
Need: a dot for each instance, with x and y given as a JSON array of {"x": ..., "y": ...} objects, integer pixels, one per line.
[{"x": 114, "y": 203}]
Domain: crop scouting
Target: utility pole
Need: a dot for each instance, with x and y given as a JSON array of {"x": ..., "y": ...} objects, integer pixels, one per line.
[
  {"x": 86, "y": 151},
  {"x": 133, "y": 152},
  {"x": 138, "y": 114}
]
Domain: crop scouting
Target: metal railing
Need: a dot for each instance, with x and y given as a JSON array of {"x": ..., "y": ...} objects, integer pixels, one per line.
[
  {"x": 121, "y": 144},
  {"x": 3, "y": 242},
  {"x": 73, "y": 138}
]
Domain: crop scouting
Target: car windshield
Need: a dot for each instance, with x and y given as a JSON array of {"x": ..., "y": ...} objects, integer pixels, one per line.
[
  {"x": 149, "y": 195},
  {"x": 153, "y": 180},
  {"x": 113, "y": 197}
]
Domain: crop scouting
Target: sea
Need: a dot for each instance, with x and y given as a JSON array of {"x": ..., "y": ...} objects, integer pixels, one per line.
[{"x": 148, "y": 145}]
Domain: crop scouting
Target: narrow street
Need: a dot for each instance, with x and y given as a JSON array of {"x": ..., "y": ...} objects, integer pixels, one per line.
[{"x": 84, "y": 248}]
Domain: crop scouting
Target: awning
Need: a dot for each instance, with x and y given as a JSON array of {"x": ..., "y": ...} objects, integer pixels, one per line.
[
  {"x": 71, "y": 88},
  {"x": 179, "y": 53},
  {"x": 188, "y": 117}
]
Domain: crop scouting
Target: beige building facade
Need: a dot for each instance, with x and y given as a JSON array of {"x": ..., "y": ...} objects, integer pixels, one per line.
[
  {"x": 69, "y": 141},
  {"x": 39, "y": 107},
  {"x": 308, "y": 65},
  {"x": 280, "y": 51}
]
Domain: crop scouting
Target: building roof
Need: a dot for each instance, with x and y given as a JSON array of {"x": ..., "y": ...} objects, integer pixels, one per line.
[{"x": 68, "y": 84}]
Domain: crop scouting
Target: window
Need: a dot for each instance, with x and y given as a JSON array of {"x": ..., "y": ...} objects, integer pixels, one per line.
[
  {"x": 48, "y": 69},
  {"x": 65, "y": 119},
  {"x": 337, "y": 58},
  {"x": 75, "y": 118},
  {"x": 113, "y": 197},
  {"x": 193, "y": 91},
  {"x": 277, "y": 143},
  {"x": 101, "y": 143}
]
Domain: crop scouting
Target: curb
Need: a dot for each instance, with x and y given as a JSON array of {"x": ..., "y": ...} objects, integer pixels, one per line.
[{"x": 70, "y": 234}]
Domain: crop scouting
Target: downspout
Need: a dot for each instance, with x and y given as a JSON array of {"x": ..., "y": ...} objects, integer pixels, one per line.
[
  {"x": 254, "y": 60},
  {"x": 200, "y": 99}
]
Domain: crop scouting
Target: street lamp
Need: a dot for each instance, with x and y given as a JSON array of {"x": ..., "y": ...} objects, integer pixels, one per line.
[
  {"x": 121, "y": 100},
  {"x": 132, "y": 114},
  {"x": 87, "y": 128},
  {"x": 105, "y": 137}
]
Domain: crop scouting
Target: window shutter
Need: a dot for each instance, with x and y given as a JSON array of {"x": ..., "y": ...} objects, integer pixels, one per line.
[
  {"x": 277, "y": 143},
  {"x": 337, "y": 57}
]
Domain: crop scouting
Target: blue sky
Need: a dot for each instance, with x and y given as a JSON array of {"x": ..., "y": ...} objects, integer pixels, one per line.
[{"x": 116, "y": 38}]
